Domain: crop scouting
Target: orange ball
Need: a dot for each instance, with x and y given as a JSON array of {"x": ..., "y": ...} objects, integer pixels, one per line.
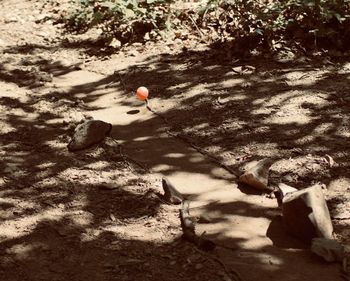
[{"x": 142, "y": 93}]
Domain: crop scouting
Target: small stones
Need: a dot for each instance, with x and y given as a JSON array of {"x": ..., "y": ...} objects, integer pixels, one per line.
[{"x": 330, "y": 250}]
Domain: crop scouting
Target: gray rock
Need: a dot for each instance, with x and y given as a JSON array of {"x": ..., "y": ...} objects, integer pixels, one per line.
[
  {"x": 257, "y": 175},
  {"x": 12, "y": 19},
  {"x": 89, "y": 133},
  {"x": 115, "y": 43},
  {"x": 285, "y": 189},
  {"x": 282, "y": 191},
  {"x": 330, "y": 250},
  {"x": 306, "y": 215}
]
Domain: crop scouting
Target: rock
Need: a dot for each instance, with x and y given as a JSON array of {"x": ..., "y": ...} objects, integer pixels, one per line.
[
  {"x": 285, "y": 189},
  {"x": 89, "y": 133},
  {"x": 330, "y": 250},
  {"x": 257, "y": 175},
  {"x": 147, "y": 37},
  {"x": 41, "y": 18},
  {"x": 285, "y": 56},
  {"x": 245, "y": 69},
  {"x": 329, "y": 160},
  {"x": 112, "y": 217},
  {"x": 12, "y": 19},
  {"x": 133, "y": 53},
  {"x": 282, "y": 191},
  {"x": 115, "y": 43},
  {"x": 137, "y": 44},
  {"x": 43, "y": 34},
  {"x": 3, "y": 43},
  {"x": 305, "y": 214}
]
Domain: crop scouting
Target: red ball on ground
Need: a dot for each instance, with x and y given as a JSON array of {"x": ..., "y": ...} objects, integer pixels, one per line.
[{"x": 142, "y": 93}]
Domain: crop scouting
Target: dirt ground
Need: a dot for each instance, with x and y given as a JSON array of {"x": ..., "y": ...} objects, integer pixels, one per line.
[{"x": 95, "y": 214}]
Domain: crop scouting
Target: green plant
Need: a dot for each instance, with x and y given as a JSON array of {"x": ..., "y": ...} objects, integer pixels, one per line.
[
  {"x": 266, "y": 21},
  {"x": 127, "y": 20},
  {"x": 250, "y": 23}
]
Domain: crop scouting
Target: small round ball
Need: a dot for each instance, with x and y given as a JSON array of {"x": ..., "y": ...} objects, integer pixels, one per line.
[{"x": 142, "y": 93}]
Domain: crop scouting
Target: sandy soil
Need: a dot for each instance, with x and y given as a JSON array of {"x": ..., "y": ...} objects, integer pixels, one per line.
[{"x": 95, "y": 214}]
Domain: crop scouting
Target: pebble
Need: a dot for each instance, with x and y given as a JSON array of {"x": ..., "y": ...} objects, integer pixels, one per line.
[
  {"x": 41, "y": 17},
  {"x": 137, "y": 44},
  {"x": 115, "y": 43},
  {"x": 42, "y": 34},
  {"x": 112, "y": 217},
  {"x": 133, "y": 53},
  {"x": 12, "y": 19}
]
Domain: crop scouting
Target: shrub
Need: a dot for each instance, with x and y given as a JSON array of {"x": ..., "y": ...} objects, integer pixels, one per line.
[
  {"x": 254, "y": 23},
  {"x": 127, "y": 20},
  {"x": 265, "y": 21}
]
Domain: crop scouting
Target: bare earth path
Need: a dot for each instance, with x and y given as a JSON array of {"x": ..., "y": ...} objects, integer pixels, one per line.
[
  {"x": 91, "y": 216},
  {"x": 246, "y": 222}
]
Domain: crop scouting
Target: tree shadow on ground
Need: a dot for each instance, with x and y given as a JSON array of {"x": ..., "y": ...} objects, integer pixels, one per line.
[{"x": 53, "y": 202}]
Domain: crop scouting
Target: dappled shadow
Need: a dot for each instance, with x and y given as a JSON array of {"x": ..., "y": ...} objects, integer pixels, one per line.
[
  {"x": 98, "y": 47},
  {"x": 262, "y": 114}
]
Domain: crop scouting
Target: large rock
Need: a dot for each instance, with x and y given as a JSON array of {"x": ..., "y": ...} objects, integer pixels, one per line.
[
  {"x": 257, "y": 175},
  {"x": 89, "y": 133},
  {"x": 306, "y": 215}
]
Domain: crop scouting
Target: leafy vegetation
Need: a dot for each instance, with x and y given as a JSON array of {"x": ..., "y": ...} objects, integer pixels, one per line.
[
  {"x": 129, "y": 20},
  {"x": 256, "y": 23},
  {"x": 310, "y": 22}
]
